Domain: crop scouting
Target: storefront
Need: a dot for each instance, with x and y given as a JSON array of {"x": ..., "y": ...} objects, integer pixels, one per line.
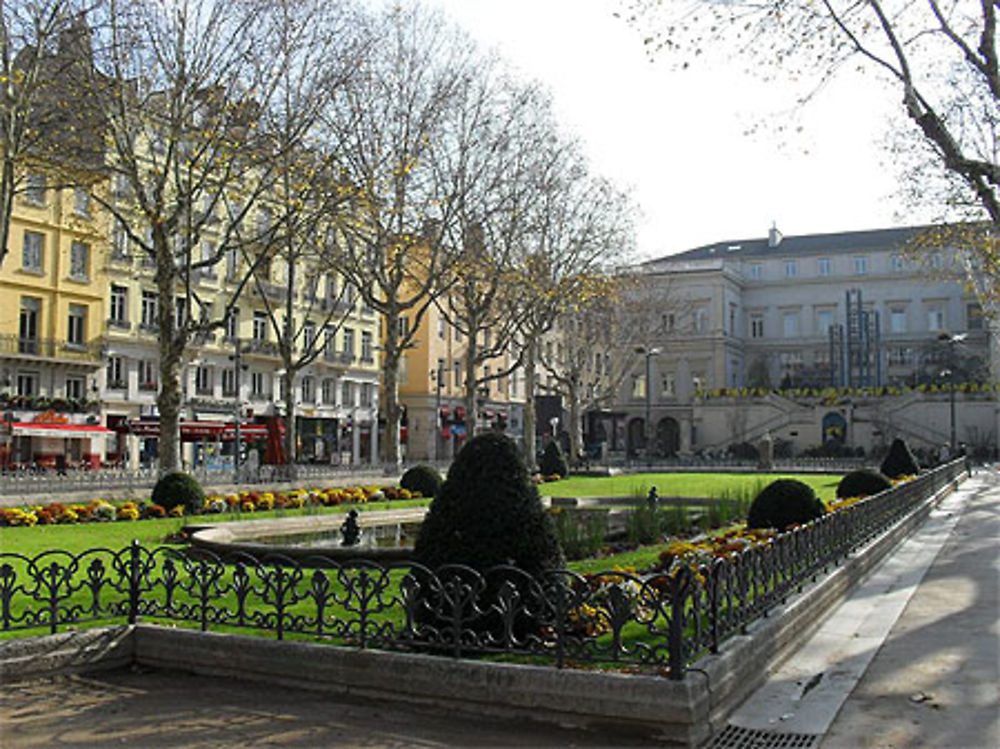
[
  {"x": 51, "y": 440},
  {"x": 213, "y": 443}
]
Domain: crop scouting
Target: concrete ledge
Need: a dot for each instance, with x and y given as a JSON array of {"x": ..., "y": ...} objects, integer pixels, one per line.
[
  {"x": 648, "y": 705},
  {"x": 67, "y": 652}
]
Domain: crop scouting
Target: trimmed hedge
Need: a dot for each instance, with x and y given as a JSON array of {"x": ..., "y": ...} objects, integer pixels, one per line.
[
  {"x": 783, "y": 503},
  {"x": 899, "y": 461},
  {"x": 553, "y": 461},
  {"x": 862, "y": 483},
  {"x": 422, "y": 478},
  {"x": 179, "y": 488}
]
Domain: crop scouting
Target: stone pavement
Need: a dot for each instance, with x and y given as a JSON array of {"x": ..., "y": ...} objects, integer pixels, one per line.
[
  {"x": 912, "y": 657},
  {"x": 155, "y": 709}
]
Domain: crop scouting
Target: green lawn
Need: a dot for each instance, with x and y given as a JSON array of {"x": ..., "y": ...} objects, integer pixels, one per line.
[{"x": 681, "y": 484}]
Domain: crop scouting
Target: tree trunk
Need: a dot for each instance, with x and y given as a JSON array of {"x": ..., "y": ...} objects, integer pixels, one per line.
[
  {"x": 291, "y": 437},
  {"x": 6, "y": 204},
  {"x": 575, "y": 424},
  {"x": 390, "y": 408},
  {"x": 471, "y": 414},
  {"x": 168, "y": 402},
  {"x": 529, "y": 404}
]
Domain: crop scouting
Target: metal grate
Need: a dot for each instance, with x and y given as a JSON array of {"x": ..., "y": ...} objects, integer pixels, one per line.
[{"x": 734, "y": 737}]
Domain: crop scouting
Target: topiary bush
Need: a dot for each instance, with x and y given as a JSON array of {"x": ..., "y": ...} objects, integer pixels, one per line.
[
  {"x": 899, "y": 461},
  {"x": 862, "y": 483},
  {"x": 178, "y": 488},
  {"x": 783, "y": 503},
  {"x": 553, "y": 461},
  {"x": 488, "y": 513},
  {"x": 422, "y": 478}
]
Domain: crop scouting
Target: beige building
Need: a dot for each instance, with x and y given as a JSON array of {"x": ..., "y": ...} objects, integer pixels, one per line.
[{"x": 756, "y": 330}]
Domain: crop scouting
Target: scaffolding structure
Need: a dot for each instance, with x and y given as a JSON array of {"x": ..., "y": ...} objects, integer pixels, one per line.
[{"x": 856, "y": 346}]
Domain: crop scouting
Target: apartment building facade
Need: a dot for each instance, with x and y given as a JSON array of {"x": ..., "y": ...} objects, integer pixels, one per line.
[{"x": 756, "y": 330}]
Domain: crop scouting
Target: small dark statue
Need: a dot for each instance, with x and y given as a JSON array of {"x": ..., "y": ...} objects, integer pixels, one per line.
[
  {"x": 652, "y": 499},
  {"x": 350, "y": 530}
]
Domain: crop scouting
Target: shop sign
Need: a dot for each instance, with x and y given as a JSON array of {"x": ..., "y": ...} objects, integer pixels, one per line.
[{"x": 50, "y": 417}]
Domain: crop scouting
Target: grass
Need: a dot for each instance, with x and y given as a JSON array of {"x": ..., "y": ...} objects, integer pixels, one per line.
[{"x": 680, "y": 484}]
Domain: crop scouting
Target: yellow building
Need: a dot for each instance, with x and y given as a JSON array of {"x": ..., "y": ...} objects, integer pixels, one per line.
[
  {"x": 52, "y": 312},
  {"x": 432, "y": 376}
]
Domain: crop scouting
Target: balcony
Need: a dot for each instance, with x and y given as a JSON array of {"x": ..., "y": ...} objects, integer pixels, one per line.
[
  {"x": 256, "y": 346},
  {"x": 272, "y": 291},
  {"x": 56, "y": 349},
  {"x": 120, "y": 325},
  {"x": 46, "y": 403},
  {"x": 148, "y": 387},
  {"x": 338, "y": 357}
]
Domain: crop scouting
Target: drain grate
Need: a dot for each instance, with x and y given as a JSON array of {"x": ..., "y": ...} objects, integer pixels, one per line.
[{"x": 734, "y": 737}]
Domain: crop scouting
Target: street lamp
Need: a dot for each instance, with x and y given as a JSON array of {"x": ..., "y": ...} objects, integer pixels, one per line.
[
  {"x": 438, "y": 376},
  {"x": 649, "y": 353},
  {"x": 952, "y": 341}
]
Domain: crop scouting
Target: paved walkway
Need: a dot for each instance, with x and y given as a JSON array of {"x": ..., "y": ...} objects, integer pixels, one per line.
[{"x": 912, "y": 658}]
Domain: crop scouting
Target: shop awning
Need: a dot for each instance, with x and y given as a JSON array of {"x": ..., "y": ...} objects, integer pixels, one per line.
[
  {"x": 194, "y": 430},
  {"x": 65, "y": 431}
]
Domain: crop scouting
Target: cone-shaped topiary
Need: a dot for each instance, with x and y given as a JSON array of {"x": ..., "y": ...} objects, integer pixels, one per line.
[
  {"x": 862, "y": 483},
  {"x": 553, "y": 461},
  {"x": 422, "y": 478},
  {"x": 783, "y": 503},
  {"x": 488, "y": 513},
  {"x": 178, "y": 488},
  {"x": 899, "y": 461}
]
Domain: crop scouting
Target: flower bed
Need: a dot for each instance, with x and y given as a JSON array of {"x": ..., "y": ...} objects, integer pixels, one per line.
[{"x": 102, "y": 510}]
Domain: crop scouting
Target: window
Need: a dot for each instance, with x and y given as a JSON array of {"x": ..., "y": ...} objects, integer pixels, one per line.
[
  {"x": 456, "y": 371},
  {"x": 32, "y": 251},
  {"x": 28, "y": 324},
  {"x": 260, "y": 326},
  {"x": 403, "y": 327},
  {"x": 897, "y": 319},
  {"x": 81, "y": 202},
  {"x": 756, "y": 271},
  {"x": 900, "y": 356},
  {"x": 791, "y": 268},
  {"x": 935, "y": 318},
  {"x": 347, "y": 394},
  {"x": 203, "y": 380},
  {"x": 75, "y": 388},
  {"x": 860, "y": 265},
  {"x": 79, "y": 260},
  {"x": 329, "y": 340},
  {"x": 119, "y": 241},
  {"x": 257, "y": 381},
  {"x": 790, "y": 324},
  {"x": 367, "y": 394},
  {"x": 229, "y": 382},
  {"x": 823, "y": 266},
  {"x": 638, "y": 386},
  {"x": 308, "y": 388},
  {"x": 122, "y": 188},
  {"x": 181, "y": 311},
  {"x": 264, "y": 221},
  {"x": 668, "y": 322},
  {"x": 329, "y": 390},
  {"x": 118, "y": 309},
  {"x": 440, "y": 325},
  {"x": 149, "y": 310},
  {"x": 27, "y": 383},
  {"x": 148, "y": 374},
  {"x": 896, "y": 262},
  {"x": 701, "y": 320},
  {"x": 366, "y": 346},
  {"x": 937, "y": 261},
  {"x": 824, "y": 321},
  {"x": 308, "y": 335},
  {"x": 76, "y": 332},
  {"x": 331, "y": 287},
  {"x": 348, "y": 349},
  {"x": 116, "y": 373},
  {"x": 232, "y": 263},
  {"x": 668, "y": 385},
  {"x": 973, "y": 317},
  {"x": 35, "y": 186},
  {"x": 232, "y": 323},
  {"x": 756, "y": 326}
]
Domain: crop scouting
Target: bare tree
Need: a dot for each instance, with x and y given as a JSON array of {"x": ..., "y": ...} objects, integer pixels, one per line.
[
  {"x": 582, "y": 225},
  {"x": 941, "y": 59},
  {"x": 180, "y": 101},
  {"x": 42, "y": 130},
  {"x": 393, "y": 124}
]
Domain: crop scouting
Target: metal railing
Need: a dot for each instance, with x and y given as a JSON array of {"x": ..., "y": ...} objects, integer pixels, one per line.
[
  {"x": 51, "y": 348},
  {"x": 666, "y": 619}
]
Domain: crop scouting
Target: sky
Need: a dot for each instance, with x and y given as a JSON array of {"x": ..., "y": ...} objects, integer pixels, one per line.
[{"x": 679, "y": 138}]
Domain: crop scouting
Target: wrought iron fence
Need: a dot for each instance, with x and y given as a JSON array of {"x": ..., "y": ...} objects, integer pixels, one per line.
[{"x": 664, "y": 620}]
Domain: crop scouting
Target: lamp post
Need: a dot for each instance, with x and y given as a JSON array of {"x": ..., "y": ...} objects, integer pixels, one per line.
[
  {"x": 237, "y": 359},
  {"x": 438, "y": 376},
  {"x": 952, "y": 341},
  {"x": 649, "y": 353}
]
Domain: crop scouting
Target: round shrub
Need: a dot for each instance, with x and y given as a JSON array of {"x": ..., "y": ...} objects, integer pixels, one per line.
[
  {"x": 422, "y": 478},
  {"x": 553, "y": 461},
  {"x": 783, "y": 503},
  {"x": 488, "y": 513},
  {"x": 178, "y": 489},
  {"x": 899, "y": 461},
  {"x": 862, "y": 483}
]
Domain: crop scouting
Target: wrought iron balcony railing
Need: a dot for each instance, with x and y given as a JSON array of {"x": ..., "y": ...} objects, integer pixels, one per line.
[{"x": 49, "y": 348}]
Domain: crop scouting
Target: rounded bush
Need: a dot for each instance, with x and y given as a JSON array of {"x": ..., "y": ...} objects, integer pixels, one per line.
[
  {"x": 899, "y": 461},
  {"x": 862, "y": 483},
  {"x": 178, "y": 488},
  {"x": 783, "y": 503},
  {"x": 553, "y": 461},
  {"x": 488, "y": 513},
  {"x": 422, "y": 478}
]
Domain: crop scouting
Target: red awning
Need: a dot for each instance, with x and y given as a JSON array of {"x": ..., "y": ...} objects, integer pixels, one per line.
[
  {"x": 67, "y": 431},
  {"x": 192, "y": 430}
]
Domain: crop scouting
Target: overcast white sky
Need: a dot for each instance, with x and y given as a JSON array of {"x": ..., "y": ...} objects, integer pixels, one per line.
[{"x": 678, "y": 138}]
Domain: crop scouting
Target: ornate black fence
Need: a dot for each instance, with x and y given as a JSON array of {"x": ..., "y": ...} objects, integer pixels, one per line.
[{"x": 663, "y": 620}]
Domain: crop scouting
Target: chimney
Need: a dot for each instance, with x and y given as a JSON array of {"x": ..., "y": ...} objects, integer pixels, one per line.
[{"x": 773, "y": 236}]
